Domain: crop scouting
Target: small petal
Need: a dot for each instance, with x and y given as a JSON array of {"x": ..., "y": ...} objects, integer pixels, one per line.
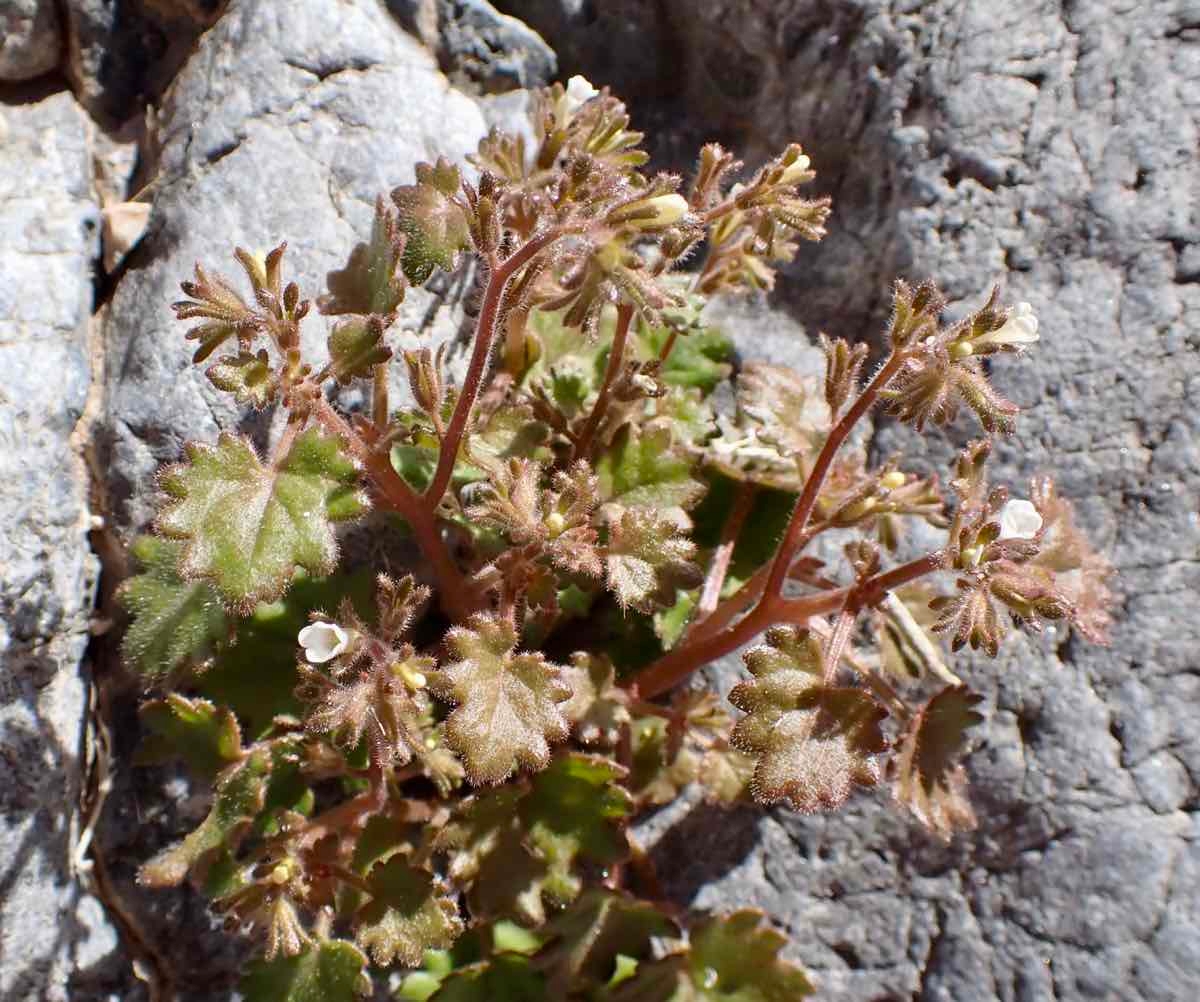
[
  {"x": 1019, "y": 519},
  {"x": 1020, "y": 329},
  {"x": 578, "y": 92},
  {"x": 322, "y": 642}
]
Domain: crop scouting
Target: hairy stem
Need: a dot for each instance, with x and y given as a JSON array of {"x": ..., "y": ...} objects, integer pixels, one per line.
[
  {"x": 773, "y": 610},
  {"x": 485, "y": 334},
  {"x": 710, "y": 596},
  {"x": 454, "y": 592},
  {"x": 816, "y": 479},
  {"x": 615, "y": 357}
]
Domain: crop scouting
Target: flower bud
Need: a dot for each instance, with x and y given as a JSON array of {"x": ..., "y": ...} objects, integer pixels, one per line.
[
  {"x": 891, "y": 481},
  {"x": 578, "y": 92},
  {"x": 652, "y": 213},
  {"x": 797, "y": 171}
]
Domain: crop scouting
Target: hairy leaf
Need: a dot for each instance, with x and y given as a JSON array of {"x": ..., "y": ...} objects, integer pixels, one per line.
[
  {"x": 435, "y": 225},
  {"x": 643, "y": 468},
  {"x": 732, "y": 958},
  {"x": 507, "y": 704},
  {"x": 812, "y": 742},
  {"x": 505, "y": 977},
  {"x": 238, "y": 798},
  {"x": 249, "y": 376},
  {"x": 409, "y": 913},
  {"x": 660, "y": 767},
  {"x": 371, "y": 282},
  {"x": 333, "y": 971},
  {"x": 206, "y": 736},
  {"x": 927, "y": 776},
  {"x": 586, "y": 940},
  {"x": 247, "y": 526},
  {"x": 173, "y": 620},
  {"x": 648, "y": 561},
  {"x": 356, "y": 347},
  {"x": 597, "y": 708}
]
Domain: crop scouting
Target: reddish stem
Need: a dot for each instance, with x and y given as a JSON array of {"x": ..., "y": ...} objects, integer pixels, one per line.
[
  {"x": 816, "y": 479},
  {"x": 615, "y": 357},
  {"x": 485, "y": 335},
  {"x": 710, "y": 597}
]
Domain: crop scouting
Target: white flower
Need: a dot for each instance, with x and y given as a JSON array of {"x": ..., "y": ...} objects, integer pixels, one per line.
[
  {"x": 1020, "y": 329},
  {"x": 578, "y": 93},
  {"x": 1019, "y": 519},
  {"x": 661, "y": 210},
  {"x": 322, "y": 642}
]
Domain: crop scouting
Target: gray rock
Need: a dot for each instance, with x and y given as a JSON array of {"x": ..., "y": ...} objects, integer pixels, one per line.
[
  {"x": 30, "y": 38},
  {"x": 48, "y": 925},
  {"x": 122, "y": 54},
  {"x": 1054, "y": 152},
  {"x": 489, "y": 50}
]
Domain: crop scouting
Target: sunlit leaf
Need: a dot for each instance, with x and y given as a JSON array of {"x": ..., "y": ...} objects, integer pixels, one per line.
[
  {"x": 247, "y": 526},
  {"x": 249, "y": 376},
  {"x": 356, "y": 347},
  {"x": 643, "y": 468},
  {"x": 333, "y": 971},
  {"x": 409, "y": 913},
  {"x": 927, "y": 776},
  {"x": 434, "y": 223},
  {"x": 206, "y": 736},
  {"x": 371, "y": 282},
  {"x": 813, "y": 742},
  {"x": 597, "y": 708},
  {"x": 648, "y": 561},
  {"x": 173, "y": 620}
]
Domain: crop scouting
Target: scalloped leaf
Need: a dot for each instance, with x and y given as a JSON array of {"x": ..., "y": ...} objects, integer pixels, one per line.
[
  {"x": 505, "y": 977},
  {"x": 409, "y": 912},
  {"x": 507, "y": 704},
  {"x": 643, "y": 468},
  {"x": 239, "y": 796},
  {"x": 587, "y": 939},
  {"x": 205, "y": 736},
  {"x": 813, "y": 742},
  {"x": 247, "y": 526},
  {"x": 648, "y": 561},
  {"x": 731, "y": 958},
  {"x": 927, "y": 776},
  {"x": 435, "y": 225},
  {"x": 249, "y": 376},
  {"x": 356, "y": 347},
  {"x": 173, "y": 620},
  {"x": 597, "y": 708},
  {"x": 334, "y": 971},
  {"x": 372, "y": 281}
]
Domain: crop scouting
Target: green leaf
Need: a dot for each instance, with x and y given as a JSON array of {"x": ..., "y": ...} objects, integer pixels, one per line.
[
  {"x": 356, "y": 347},
  {"x": 409, "y": 912},
  {"x": 173, "y": 620},
  {"x": 575, "y": 812},
  {"x": 812, "y": 742},
  {"x": 334, "y": 971},
  {"x": 237, "y": 800},
  {"x": 435, "y": 225},
  {"x": 587, "y": 939},
  {"x": 660, "y": 768},
  {"x": 519, "y": 848},
  {"x": 644, "y": 469},
  {"x": 732, "y": 958},
  {"x": 248, "y": 376},
  {"x": 207, "y": 737},
  {"x": 597, "y": 708},
  {"x": 648, "y": 561},
  {"x": 506, "y": 977},
  {"x": 700, "y": 357},
  {"x": 247, "y": 526},
  {"x": 507, "y": 704},
  {"x": 371, "y": 282},
  {"x": 928, "y": 778}
]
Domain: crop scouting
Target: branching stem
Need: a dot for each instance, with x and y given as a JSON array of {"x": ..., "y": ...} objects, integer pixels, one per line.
[{"x": 616, "y": 357}]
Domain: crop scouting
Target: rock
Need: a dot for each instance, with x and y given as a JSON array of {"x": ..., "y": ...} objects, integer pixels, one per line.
[
  {"x": 1054, "y": 152},
  {"x": 122, "y": 54},
  {"x": 49, "y": 927},
  {"x": 30, "y": 40},
  {"x": 489, "y": 50}
]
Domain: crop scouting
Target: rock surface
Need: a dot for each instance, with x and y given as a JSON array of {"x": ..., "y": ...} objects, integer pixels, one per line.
[
  {"x": 48, "y": 925},
  {"x": 1051, "y": 149},
  {"x": 30, "y": 38},
  {"x": 1056, "y": 152}
]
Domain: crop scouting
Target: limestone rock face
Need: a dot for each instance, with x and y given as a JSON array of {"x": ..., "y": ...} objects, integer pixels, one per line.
[
  {"x": 49, "y": 927},
  {"x": 1053, "y": 151},
  {"x": 31, "y": 38}
]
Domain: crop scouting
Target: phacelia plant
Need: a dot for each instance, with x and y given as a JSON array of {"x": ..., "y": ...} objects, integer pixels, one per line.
[{"x": 436, "y": 767}]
